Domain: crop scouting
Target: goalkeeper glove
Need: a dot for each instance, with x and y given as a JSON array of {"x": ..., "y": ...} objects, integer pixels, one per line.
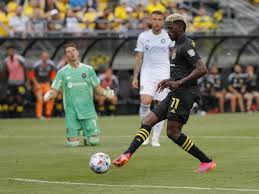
[
  {"x": 48, "y": 96},
  {"x": 109, "y": 93}
]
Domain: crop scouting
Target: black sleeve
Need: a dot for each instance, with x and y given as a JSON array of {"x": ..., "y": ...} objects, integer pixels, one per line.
[{"x": 190, "y": 53}]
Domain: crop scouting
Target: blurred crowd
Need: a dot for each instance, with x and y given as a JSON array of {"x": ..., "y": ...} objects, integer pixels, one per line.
[
  {"x": 236, "y": 91},
  {"x": 240, "y": 92},
  {"x": 27, "y": 83},
  {"x": 37, "y": 17}
]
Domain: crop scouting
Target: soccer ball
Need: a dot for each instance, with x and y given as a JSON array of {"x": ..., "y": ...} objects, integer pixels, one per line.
[{"x": 100, "y": 163}]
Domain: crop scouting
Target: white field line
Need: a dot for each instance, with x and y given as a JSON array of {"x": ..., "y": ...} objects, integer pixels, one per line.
[
  {"x": 133, "y": 186},
  {"x": 127, "y": 136}
]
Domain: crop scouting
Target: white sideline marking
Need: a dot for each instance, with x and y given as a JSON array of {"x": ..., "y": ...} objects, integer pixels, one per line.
[
  {"x": 131, "y": 136},
  {"x": 134, "y": 186}
]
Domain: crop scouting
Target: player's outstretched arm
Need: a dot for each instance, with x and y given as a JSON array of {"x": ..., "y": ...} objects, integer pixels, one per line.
[{"x": 51, "y": 94}]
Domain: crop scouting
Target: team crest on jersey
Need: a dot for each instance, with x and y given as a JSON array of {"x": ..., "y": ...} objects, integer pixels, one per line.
[
  {"x": 162, "y": 41},
  {"x": 69, "y": 85},
  {"x": 191, "y": 52},
  {"x": 83, "y": 75}
]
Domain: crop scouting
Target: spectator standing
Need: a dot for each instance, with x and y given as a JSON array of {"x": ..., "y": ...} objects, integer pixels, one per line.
[{"x": 15, "y": 67}]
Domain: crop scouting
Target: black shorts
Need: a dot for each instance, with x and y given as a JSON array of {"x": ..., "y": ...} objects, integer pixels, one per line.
[{"x": 177, "y": 105}]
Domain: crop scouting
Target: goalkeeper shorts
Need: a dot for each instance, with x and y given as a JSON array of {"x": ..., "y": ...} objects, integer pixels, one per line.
[{"x": 89, "y": 127}]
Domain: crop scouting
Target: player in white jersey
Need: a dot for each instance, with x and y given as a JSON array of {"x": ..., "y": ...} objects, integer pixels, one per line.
[{"x": 152, "y": 62}]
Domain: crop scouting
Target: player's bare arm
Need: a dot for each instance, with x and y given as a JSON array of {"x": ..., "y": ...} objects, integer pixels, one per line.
[
  {"x": 137, "y": 67},
  {"x": 199, "y": 71}
]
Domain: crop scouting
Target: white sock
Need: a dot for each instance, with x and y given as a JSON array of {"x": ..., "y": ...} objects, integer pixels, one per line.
[
  {"x": 157, "y": 129},
  {"x": 144, "y": 109}
]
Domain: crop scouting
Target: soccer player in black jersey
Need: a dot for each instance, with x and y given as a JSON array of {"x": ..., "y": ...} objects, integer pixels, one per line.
[{"x": 186, "y": 68}]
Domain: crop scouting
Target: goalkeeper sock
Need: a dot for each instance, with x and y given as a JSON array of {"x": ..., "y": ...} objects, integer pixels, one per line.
[
  {"x": 186, "y": 143},
  {"x": 140, "y": 137}
]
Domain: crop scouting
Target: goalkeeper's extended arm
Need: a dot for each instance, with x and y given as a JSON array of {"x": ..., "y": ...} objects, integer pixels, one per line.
[
  {"x": 109, "y": 93},
  {"x": 51, "y": 94}
]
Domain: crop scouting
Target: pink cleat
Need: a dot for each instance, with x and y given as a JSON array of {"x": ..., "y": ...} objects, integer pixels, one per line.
[
  {"x": 206, "y": 167},
  {"x": 121, "y": 160}
]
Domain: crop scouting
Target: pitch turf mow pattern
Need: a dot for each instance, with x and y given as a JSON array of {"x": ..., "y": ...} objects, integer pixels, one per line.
[{"x": 35, "y": 160}]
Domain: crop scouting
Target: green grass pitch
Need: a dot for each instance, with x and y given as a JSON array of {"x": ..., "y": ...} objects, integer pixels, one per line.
[{"x": 34, "y": 150}]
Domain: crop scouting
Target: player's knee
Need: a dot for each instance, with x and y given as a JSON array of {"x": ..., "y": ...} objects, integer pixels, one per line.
[
  {"x": 146, "y": 100},
  {"x": 173, "y": 130},
  {"x": 146, "y": 121},
  {"x": 150, "y": 119},
  {"x": 94, "y": 140},
  {"x": 173, "y": 134}
]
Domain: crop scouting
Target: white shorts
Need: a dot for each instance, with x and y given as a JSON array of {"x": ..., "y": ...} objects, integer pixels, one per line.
[{"x": 148, "y": 87}]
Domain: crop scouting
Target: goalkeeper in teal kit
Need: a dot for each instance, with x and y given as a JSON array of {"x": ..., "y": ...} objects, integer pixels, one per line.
[{"x": 78, "y": 82}]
